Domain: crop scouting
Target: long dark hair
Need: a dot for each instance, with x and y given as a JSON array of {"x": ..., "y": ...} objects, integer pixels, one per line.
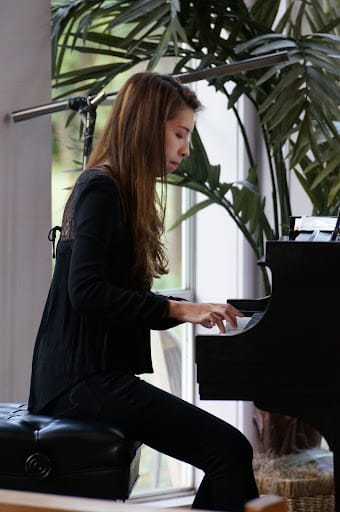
[{"x": 133, "y": 142}]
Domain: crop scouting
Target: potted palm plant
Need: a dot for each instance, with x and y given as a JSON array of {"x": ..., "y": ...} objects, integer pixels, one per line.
[{"x": 296, "y": 102}]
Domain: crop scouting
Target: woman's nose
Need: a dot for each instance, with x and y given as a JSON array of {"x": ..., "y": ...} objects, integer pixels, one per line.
[{"x": 185, "y": 150}]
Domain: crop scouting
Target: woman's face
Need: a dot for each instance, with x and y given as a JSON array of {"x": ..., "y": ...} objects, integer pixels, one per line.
[{"x": 177, "y": 138}]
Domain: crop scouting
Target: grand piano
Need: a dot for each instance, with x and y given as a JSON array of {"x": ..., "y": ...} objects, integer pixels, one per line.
[{"x": 287, "y": 358}]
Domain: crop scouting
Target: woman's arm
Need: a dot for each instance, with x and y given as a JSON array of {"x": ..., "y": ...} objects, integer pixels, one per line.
[{"x": 98, "y": 229}]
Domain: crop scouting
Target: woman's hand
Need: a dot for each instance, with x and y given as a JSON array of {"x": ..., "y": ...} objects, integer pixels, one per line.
[{"x": 208, "y": 315}]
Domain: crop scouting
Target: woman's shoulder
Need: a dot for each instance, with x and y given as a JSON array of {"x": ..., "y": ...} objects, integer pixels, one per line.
[
  {"x": 96, "y": 177},
  {"x": 100, "y": 174}
]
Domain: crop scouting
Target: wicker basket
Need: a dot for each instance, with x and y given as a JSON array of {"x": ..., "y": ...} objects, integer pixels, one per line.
[{"x": 308, "y": 490}]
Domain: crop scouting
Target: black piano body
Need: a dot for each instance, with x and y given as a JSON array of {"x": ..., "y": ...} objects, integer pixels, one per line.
[{"x": 289, "y": 361}]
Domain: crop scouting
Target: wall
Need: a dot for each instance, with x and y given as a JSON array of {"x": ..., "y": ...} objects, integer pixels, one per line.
[{"x": 24, "y": 187}]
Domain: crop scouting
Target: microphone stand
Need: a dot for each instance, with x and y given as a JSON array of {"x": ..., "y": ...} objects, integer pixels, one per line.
[
  {"x": 87, "y": 106},
  {"x": 89, "y": 115}
]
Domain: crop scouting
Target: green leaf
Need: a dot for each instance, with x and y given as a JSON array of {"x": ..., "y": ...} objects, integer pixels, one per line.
[
  {"x": 192, "y": 211},
  {"x": 302, "y": 144},
  {"x": 135, "y": 10},
  {"x": 265, "y": 12},
  {"x": 263, "y": 42},
  {"x": 334, "y": 192},
  {"x": 334, "y": 163}
]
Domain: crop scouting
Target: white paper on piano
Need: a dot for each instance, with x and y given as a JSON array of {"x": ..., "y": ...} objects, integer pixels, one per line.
[{"x": 311, "y": 223}]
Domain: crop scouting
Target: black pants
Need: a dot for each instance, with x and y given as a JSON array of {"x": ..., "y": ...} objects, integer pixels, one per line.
[{"x": 171, "y": 426}]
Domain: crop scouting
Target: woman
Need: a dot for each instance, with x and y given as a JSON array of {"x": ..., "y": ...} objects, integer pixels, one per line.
[{"x": 94, "y": 337}]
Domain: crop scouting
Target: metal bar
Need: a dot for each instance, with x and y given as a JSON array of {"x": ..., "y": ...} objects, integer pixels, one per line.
[
  {"x": 74, "y": 103},
  {"x": 48, "y": 108},
  {"x": 235, "y": 67}
]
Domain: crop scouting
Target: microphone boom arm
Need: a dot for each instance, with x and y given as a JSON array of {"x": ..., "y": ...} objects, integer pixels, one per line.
[{"x": 234, "y": 67}]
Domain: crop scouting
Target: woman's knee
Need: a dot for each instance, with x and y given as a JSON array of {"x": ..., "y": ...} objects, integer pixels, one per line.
[
  {"x": 237, "y": 445},
  {"x": 246, "y": 448}
]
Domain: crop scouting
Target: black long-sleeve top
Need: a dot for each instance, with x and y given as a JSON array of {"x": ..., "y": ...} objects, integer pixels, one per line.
[{"x": 94, "y": 320}]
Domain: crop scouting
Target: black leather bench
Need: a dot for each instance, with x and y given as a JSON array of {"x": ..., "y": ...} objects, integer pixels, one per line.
[{"x": 70, "y": 457}]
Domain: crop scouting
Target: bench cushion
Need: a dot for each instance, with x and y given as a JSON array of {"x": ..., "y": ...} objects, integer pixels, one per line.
[{"x": 62, "y": 456}]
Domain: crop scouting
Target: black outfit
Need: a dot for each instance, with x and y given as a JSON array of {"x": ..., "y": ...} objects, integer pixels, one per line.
[{"x": 94, "y": 339}]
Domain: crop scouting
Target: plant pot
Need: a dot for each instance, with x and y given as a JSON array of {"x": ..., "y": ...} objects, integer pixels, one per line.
[{"x": 306, "y": 487}]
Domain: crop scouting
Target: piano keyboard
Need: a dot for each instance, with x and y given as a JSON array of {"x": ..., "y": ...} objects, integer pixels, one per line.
[{"x": 243, "y": 323}]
